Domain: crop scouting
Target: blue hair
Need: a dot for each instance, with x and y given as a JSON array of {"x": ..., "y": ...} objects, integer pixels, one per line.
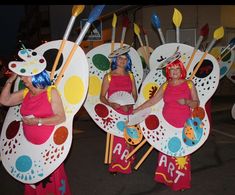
[
  {"x": 41, "y": 80},
  {"x": 128, "y": 64}
]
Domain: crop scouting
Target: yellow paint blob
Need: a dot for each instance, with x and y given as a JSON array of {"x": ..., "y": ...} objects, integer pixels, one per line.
[
  {"x": 149, "y": 90},
  {"x": 74, "y": 90},
  {"x": 215, "y": 52},
  {"x": 219, "y": 33},
  {"x": 177, "y": 17},
  {"x": 94, "y": 86},
  {"x": 35, "y": 70}
]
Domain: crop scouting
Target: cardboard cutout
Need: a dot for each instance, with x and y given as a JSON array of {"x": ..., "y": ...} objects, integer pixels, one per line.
[
  {"x": 105, "y": 117},
  {"x": 226, "y": 62},
  {"x": 156, "y": 130},
  {"x": 30, "y": 163}
]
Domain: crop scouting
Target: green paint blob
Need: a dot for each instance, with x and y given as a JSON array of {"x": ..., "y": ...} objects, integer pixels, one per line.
[{"x": 101, "y": 62}]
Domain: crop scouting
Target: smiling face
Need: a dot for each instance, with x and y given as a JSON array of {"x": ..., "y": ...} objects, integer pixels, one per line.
[
  {"x": 121, "y": 61},
  {"x": 175, "y": 72}
]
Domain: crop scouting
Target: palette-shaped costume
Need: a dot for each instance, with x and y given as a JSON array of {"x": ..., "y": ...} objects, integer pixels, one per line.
[
  {"x": 104, "y": 116},
  {"x": 157, "y": 131},
  {"x": 233, "y": 111},
  {"x": 29, "y": 162},
  {"x": 231, "y": 73},
  {"x": 226, "y": 62}
]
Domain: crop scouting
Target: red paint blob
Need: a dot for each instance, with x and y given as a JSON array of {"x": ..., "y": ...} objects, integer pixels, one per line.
[
  {"x": 152, "y": 122},
  {"x": 101, "y": 110},
  {"x": 12, "y": 129}
]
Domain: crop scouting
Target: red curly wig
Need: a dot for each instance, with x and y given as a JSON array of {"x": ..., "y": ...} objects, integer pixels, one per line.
[{"x": 176, "y": 63}]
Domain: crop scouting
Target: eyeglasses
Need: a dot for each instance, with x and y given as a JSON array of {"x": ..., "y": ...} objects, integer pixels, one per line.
[
  {"x": 121, "y": 58},
  {"x": 177, "y": 69}
]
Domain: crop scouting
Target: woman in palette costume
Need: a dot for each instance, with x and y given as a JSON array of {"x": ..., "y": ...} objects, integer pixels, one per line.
[
  {"x": 41, "y": 109},
  {"x": 120, "y": 78},
  {"x": 179, "y": 96}
]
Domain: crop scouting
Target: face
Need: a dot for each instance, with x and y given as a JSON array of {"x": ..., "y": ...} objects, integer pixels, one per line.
[
  {"x": 121, "y": 60},
  {"x": 175, "y": 72},
  {"x": 27, "y": 80}
]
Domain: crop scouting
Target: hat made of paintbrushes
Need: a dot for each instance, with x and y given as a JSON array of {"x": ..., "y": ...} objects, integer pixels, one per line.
[
  {"x": 120, "y": 51},
  {"x": 170, "y": 59}
]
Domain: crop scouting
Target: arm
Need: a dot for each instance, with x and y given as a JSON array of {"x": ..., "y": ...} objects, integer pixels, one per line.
[
  {"x": 58, "y": 110},
  {"x": 104, "y": 90},
  {"x": 152, "y": 101},
  {"x": 134, "y": 89},
  {"x": 11, "y": 99},
  {"x": 194, "y": 102}
]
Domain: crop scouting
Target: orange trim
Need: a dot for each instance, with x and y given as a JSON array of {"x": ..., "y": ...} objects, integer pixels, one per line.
[
  {"x": 121, "y": 167},
  {"x": 165, "y": 85},
  {"x": 26, "y": 90},
  {"x": 164, "y": 177},
  {"x": 190, "y": 85}
]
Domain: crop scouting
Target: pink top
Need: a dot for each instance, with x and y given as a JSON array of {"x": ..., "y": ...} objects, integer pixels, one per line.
[
  {"x": 120, "y": 83},
  {"x": 40, "y": 107},
  {"x": 173, "y": 112}
]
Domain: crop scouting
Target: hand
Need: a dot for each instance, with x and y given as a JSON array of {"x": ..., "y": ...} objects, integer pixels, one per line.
[
  {"x": 182, "y": 101},
  {"x": 135, "y": 110},
  {"x": 114, "y": 105},
  {"x": 12, "y": 78},
  {"x": 30, "y": 121},
  {"x": 125, "y": 108}
]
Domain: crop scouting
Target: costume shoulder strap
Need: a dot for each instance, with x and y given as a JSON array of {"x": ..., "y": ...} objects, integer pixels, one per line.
[
  {"x": 26, "y": 90},
  {"x": 131, "y": 75},
  {"x": 49, "y": 92},
  {"x": 109, "y": 76},
  {"x": 190, "y": 84},
  {"x": 165, "y": 85}
]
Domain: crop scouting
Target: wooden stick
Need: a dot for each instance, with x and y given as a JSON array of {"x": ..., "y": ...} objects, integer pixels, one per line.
[
  {"x": 121, "y": 43},
  {"x": 57, "y": 58},
  {"x": 136, "y": 148},
  {"x": 66, "y": 64},
  {"x": 143, "y": 158},
  {"x": 111, "y": 148},
  {"x": 224, "y": 55},
  {"x": 147, "y": 45},
  {"x": 112, "y": 46},
  {"x": 191, "y": 59},
  {"x": 107, "y": 148},
  {"x": 198, "y": 65},
  {"x": 220, "y": 54}
]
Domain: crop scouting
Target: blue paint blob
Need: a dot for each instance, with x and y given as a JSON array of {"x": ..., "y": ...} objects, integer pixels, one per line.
[
  {"x": 193, "y": 128},
  {"x": 174, "y": 144},
  {"x": 23, "y": 163},
  {"x": 223, "y": 70},
  {"x": 132, "y": 133},
  {"x": 121, "y": 125},
  {"x": 23, "y": 51}
]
